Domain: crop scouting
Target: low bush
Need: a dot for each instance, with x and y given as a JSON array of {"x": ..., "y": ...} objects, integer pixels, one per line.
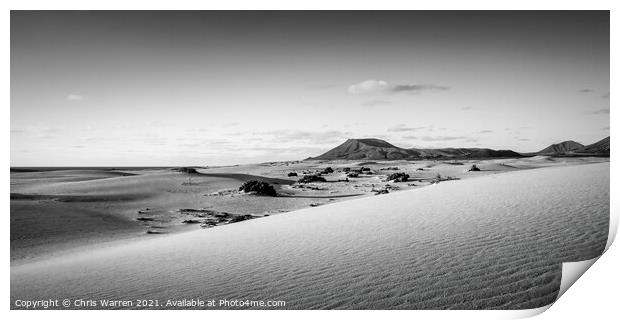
[
  {"x": 186, "y": 170},
  {"x": 398, "y": 177},
  {"x": 240, "y": 218},
  {"x": 258, "y": 187},
  {"x": 389, "y": 168},
  {"x": 311, "y": 178}
]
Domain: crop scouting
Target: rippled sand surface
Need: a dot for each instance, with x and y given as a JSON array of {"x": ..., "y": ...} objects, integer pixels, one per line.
[{"x": 491, "y": 242}]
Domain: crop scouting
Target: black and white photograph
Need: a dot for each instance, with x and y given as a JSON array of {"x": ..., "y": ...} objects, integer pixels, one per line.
[{"x": 306, "y": 160}]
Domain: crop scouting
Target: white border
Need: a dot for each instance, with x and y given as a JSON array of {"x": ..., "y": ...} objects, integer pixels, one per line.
[{"x": 594, "y": 295}]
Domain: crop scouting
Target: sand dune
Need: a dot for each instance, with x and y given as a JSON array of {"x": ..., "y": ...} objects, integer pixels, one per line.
[
  {"x": 491, "y": 242},
  {"x": 62, "y": 209},
  {"x": 58, "y": 210},
  {"x": 247, "y": 177}
]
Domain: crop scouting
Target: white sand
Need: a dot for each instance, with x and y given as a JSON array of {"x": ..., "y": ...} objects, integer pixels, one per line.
[{"x": 494, "y": 241}]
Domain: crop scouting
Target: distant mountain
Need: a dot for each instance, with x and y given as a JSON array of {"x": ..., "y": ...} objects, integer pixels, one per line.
[
  {"x": 560, "y": 148},
  {"x": 469, "y": 153},
  {"x": 370, "y": 149},
  {"x": 377, "y": 149},
  {"x": 600, "y": 147},
  {"x": 575, "y": 149}
]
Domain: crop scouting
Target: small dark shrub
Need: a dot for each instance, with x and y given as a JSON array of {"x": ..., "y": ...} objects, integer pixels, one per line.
[
  {"x": 240, "y": 218},
  {"x": 390, "y": 168},
  {"x": 398, "y": 177},
  {"x": 186, "y": 170},
  {"x": 353, "y": 175},
  {"x": 259, "y": 187},
  {"x": 292, "y": 174},
  {"x": 346, "y": 169},
  {"x": 327, "y": 170},
  {"x": 311, "y": 178},
  {"x": 364, "y": 169},
  {"x": 474, "y": 168}
]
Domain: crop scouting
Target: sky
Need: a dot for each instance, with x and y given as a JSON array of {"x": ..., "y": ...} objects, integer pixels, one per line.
[{"x": 167, "y": 88}]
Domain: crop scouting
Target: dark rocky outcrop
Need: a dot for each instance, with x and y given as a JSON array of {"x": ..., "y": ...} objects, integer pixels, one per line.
[
  {"x": 398, "y": 177},
  {"x": 327, "y": 170},
  {"x": 258, "y": 187},
  {"x": 186, "y": 170},
  {"x": 389, "y": 168},
  {"x": 311, "y": 178},
  {"x": 239, "y": 218}
]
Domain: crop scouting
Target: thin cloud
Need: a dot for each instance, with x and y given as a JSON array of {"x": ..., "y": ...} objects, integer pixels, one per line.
[
  {"x": 403, "y": 128},
  {"x": 485, "y": 131},
  {"x": 466, "y": 108},
  {"x": 322, "y": 86},
  {"x": 600, "y": 111},
  {"x": 380, "y": 87},
  {"x": 441, "y": 138},
  {"x": 605, "y": 96},
  {"x": 374, "y": 103},
  {"x": 37, "y": 132},
  {"x": 74, "y": 97},
  {"x": 325, "y": 137},
  {"x": 189, "y": 145},
  {"x": 444, "y": 138},
  {"x": 418, "y": 87},
  {"x": 586, "y": 90}
]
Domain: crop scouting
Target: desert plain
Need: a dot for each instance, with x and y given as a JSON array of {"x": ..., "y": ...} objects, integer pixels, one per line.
[{"x": 447, "y": 237}]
